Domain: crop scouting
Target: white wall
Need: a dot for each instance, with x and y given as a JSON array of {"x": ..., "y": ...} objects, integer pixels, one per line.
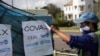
[
  {"x": 75, "y": 2},
  {"x": 77, "y": 11},
  {"x": 68, "y": 9},
  {"x": 89, "y": 2}
]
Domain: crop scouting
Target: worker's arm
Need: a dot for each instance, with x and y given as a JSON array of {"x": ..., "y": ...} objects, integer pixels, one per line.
[
  {"x": 83, "y": 41},
  {"x": 63, "y": 36}
]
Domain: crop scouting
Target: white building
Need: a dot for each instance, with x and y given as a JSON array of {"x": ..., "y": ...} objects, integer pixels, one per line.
[{"x": 74, "y": 8}]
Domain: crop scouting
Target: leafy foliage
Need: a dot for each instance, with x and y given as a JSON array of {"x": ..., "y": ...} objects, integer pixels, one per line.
[
  {"x": 53, "y": 10},
  {"x": 63, "y": 23}
]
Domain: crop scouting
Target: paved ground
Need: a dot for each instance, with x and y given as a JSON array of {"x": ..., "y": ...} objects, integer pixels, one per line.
[{"x": 60, "y": 44}]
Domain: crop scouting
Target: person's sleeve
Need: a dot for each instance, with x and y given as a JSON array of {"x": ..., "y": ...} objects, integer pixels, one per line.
[{"x": 80, "y": 41}]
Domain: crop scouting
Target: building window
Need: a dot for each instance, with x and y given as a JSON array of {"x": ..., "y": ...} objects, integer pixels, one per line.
[
  {"x": 81, "y": 8},
  {"x": 82, "y": 0},
  {"x": 89, "y": 6},
  {"x": 70, "y": 16},
  {"x": 75, "y": 16},
  {"x": 75, "y": 7},
  {"x": 79, "y": 15},
  {"x": 69, "y": 8}
]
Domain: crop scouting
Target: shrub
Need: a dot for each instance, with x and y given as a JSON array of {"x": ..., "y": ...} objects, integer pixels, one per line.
[{"x": 63, "y": 23}]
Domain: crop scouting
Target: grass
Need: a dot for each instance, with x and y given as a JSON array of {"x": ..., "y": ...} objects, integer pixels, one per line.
[
  {"x": 69, "y": 28},
  {"x": 98, "y": 31},
  {"x": 72, "y": 28}
]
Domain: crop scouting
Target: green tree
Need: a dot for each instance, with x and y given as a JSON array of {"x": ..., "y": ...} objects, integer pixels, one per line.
[
  {"x": 53, "y": 10},
  {"x": 97, "y": 7}
]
